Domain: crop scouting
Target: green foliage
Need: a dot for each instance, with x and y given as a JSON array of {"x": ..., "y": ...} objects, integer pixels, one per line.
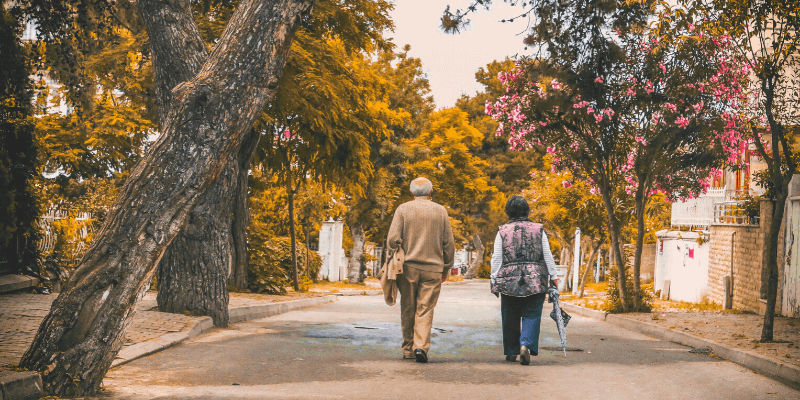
[
  {"x": 270, "y": 266},
  {"x": 485, "y": 271},
  {"x": 445, "y": 154},
  {"x": 641, "y": 302},
  {"x": 18, "y": 153},
  {"x": 563, "y": 208}
]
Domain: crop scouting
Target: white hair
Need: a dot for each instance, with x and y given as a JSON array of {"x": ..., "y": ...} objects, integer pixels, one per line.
[{"x": 421, "y": 187}]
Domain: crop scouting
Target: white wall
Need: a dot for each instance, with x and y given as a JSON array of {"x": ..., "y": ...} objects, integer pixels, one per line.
[{"x": 688, "y": 276}]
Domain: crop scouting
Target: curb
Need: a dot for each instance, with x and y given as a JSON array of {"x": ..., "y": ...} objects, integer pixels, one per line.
[
  {"x": 785, "y": 373},
  {"x": 353, "y": 293},
  {"x": 241, "y": 314},
  {"x": 20, "y": 386},
  {"x": 11, "y": 283},
  {"x": 238, "y": 314}
]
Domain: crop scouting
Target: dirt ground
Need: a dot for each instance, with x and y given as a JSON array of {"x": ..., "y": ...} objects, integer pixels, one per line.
[{"x": 730, "y": 327}]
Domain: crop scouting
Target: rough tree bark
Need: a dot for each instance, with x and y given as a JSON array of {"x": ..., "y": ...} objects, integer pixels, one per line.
[
  {"x": 212, "y": 244},
  {"x": 241, "y": 213},
  {"x": 203, "y": 130},
  {"x": 781, "y": 175},
  {"x": 354, "y": 268},
  {"x": 193, "y": 273},
  {"x": 472, "y": 270},
  {"x": 614, "y": 234},
  {"x": 641, "y": 203}
]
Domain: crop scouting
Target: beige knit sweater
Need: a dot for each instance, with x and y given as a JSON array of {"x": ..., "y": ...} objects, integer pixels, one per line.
[{"x": 422, "y": 228}]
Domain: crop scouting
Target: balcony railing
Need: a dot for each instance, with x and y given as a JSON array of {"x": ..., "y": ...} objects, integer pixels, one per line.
[
  {"x": 697, "y": 212},
  {"x": 733, "y": 212}
]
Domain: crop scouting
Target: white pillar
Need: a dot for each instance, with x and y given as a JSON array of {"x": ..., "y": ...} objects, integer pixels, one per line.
[
  {"x": 576, "y": 263},
  {"x": 330, "y": 249},
  {"x": 597, "y": 269}
]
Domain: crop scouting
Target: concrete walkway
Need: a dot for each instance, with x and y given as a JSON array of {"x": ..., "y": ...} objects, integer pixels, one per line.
[
  {"x": 150, "y": 331},
  {"x": 350, "y": 349}
]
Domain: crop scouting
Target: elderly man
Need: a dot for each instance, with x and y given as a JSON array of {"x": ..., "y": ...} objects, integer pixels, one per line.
[{"x": 422, "y": 228}]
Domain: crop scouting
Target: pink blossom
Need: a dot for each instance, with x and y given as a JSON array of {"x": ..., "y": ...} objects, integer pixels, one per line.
[
  {"x": 599, "y": 79},
  {"x": 671, "y": 107},
  {"x": 598, "y": 117},
  {"x": 682, "y": 121},
  {"x": 630, "y": 92},
  {"x": 663, "y": 68},
  {"x": 488, "y": 107},
  {"x": 581, "y": 104},
  {"x": 595, "y": 191},
  {"x": 556, "y": 84},
  {"x": 589, "y": 110},
  {"x": 566, "y": 184}
]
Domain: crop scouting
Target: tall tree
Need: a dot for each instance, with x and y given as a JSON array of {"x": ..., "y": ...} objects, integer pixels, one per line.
[
  {"x": 405, "y": 91},
  {"x": 324, "y": 120},
  {"x": 445, "y": 154},
  {"x": 507, "y": 169},
  {"x": 357, "y": 26},
  {"x": 18, "y": 153},
  {"x": 766, "y": 33},
  {"x": 572, "y": 41},
  {"x": 205, "y": 125}
]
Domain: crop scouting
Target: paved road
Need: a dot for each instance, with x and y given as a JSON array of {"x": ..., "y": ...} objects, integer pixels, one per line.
[{"x": 350, "y": 349}]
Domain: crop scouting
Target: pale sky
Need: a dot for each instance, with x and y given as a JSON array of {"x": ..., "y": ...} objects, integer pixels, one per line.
[{"x": 451, "y": 61}]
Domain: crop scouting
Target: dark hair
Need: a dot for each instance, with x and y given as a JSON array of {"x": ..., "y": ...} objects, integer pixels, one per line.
[{"x": 517, "y": 208}]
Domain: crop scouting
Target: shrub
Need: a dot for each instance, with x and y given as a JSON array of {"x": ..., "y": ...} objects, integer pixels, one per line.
[
  {"x": 642, "y": 301},
  {"x": 484, "y": 271},
  {"x": 270, "y": 267}
]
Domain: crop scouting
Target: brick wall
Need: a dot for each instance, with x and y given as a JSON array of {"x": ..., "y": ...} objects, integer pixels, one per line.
[
  {"x": 748, "y": 264},
  {"x": 747, "y": 252},
  {"x": 648, "y": 265}
]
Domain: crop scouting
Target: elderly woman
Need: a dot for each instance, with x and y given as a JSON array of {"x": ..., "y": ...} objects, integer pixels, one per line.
[{"x": 522, "y": 267}]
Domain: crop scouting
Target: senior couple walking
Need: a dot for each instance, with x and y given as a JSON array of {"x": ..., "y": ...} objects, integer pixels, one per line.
[{"x": 522, "y": 269}]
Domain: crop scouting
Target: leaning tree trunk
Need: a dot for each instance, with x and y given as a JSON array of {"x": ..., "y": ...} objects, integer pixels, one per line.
[
  {"x": 194, "y": 273},
  {"x": 241, "y": 214},
  {"x": 202, "y": 132},
  {"x": 472, "y": 270},
  {"x": 637, "y": 255},
  {"x": 614, "y": 234},
  {"x": 589, "y": 264},
  {"x": 354, "y": 268},
  {"x": 293, "y": 238},
  {"x": 779, "y": 205}
]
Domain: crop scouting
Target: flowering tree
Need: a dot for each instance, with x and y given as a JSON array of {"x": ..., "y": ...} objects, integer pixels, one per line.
[
  {"x": 765, "y": 34},
  {"x": 659, "y": 119}
]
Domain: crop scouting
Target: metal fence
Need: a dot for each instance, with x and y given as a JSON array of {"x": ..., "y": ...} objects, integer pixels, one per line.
[
  {"x": 50, "y": 233},
  {"x": 733, "y": 212}
]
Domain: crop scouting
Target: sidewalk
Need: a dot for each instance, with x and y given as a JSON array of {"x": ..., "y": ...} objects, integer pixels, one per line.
[
  {"x": 149, "y": 332},
  {"x": 729, "y": 335}
]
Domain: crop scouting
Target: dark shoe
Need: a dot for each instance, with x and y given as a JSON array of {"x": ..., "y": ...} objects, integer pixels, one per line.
[
  {"x": 420, "y": 355},
  {"x": 524, "y": 356},
  {"x": 511, "y": 358}
]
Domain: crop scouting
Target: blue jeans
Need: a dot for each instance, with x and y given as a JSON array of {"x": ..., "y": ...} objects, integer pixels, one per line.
[{"x": 522, "y": 317}]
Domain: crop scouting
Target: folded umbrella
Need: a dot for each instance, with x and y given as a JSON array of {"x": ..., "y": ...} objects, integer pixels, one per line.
[{"x": 560, "y": 316}]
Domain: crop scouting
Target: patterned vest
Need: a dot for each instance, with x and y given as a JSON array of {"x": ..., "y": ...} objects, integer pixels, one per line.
[{"x": 524, "y": 271}]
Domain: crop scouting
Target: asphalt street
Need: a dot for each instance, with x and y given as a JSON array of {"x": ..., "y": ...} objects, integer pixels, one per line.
[{"x": 350, "y": 349}]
